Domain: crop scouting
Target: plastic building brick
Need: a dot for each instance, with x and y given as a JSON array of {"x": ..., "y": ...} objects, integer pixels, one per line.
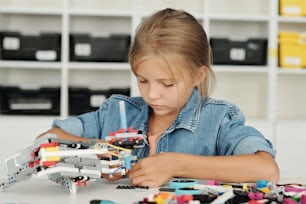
[
  {"x": 98, "y": 201},
  {"x": 126, "y": 137},
  {"x": 131, "y": 139}
]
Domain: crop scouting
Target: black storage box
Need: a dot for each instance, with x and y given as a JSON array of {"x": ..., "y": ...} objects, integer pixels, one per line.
[
  {"x": 41, "y": 101},
  {"x": 82, "y": 100},
  {"x": 43, "y": 47},
  {"x": 84, "y": 47},
  {"x": 1, "y": 34},
  {"x": 249, "y": 52}
]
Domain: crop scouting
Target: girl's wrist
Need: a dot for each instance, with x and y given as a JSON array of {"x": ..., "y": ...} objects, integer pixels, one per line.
[{"x": 177, "y": 164}]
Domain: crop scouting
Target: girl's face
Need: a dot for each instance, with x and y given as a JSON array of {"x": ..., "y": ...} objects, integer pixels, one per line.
[{"x": 164, "y": 94}]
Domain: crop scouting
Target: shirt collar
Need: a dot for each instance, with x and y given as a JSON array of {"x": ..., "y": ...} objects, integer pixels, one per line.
[{"x": 188, "y": 118}]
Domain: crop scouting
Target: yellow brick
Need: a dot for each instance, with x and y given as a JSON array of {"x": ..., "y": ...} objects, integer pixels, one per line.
[
  {"x": 51, "y": 149},
  {"x": 55, "y": 158}
]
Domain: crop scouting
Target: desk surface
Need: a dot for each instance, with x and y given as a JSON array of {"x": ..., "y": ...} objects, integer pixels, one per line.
[
  {"x": 39, "y": 190},
  {"x": 43, "y": 191}
]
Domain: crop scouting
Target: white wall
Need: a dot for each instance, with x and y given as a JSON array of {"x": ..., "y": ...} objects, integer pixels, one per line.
[{"x": 17, "y": 133}]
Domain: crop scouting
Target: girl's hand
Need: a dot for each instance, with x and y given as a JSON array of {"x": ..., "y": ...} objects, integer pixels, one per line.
[
  {"x": 113, "y": 177},
  {"x": 153, "y": 171}
]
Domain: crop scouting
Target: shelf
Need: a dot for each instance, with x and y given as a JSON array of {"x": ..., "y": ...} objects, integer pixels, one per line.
[
  {"x": 240, "y": 68},
  {"x": 29, "y": 65},
  {"x": 107, "y": 24},
  {"x": 284, "y": 19},
  {"x": 99, "y": 13},
  {"x": 245, "y": 7},
  {"x": 29, "y": 4},
  {"x": 248, "y": 18},
  {"x": 221, "y": 18},
  {"x": 31, "y": 11},
  {"x": 12, "y": 118},
  {"x": 99, "y": 66},
  {"x": 238, "y": 28},
  {"x": 248, "y": 90},
  {"x": 57, "y": 65},
  {"x": 297, "y": 71},
  {"x": 290, "y": 92},
  {"x": 116, "y": 6},
  {"x": 296, "y": 24}
]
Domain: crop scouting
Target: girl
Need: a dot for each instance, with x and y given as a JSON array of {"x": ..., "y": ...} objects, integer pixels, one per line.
[{"x": 190, "y": 134}]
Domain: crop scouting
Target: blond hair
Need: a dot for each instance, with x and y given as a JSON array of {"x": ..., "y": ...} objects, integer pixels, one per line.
[{"x": 174, "y": 34}]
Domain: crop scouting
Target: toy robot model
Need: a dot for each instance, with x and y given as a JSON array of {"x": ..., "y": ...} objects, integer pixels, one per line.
[
  {"x": 70, "y": 164},
  {"x": 73, "y": 164}
]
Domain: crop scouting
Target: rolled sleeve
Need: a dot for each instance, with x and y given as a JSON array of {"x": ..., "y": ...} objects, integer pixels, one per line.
[
  {"x": 237, "y": 138},
  {"x": 253, "y": 144},
  {"x": 71, "y": 125},
  {"x": 85, "y": 125}
]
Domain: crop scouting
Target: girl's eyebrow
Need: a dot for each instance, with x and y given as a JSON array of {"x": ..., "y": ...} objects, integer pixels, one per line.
[
  {"x": 166, "y": 80},
  {"x": 161, "y": 79}
]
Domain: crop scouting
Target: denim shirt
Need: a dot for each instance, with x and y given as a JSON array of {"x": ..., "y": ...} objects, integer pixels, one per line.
[{"x": 207, "y": 127}]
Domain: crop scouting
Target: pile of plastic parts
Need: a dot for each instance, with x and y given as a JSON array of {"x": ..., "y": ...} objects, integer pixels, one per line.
[{"x": 189, "y": 192}]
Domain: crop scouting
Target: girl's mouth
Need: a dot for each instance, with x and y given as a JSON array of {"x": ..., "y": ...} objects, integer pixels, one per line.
[{"x": 156, "y": 107}]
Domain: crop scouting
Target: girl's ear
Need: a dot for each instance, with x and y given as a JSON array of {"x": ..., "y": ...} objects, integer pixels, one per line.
[{"x": 202, "y": 73}]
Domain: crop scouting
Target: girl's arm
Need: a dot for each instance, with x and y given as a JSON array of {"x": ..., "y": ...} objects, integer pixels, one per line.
[
  {"x": 237, "y": 168},
  {"x": 159, "y": 169},
  {"x": 61, "y": 134}
]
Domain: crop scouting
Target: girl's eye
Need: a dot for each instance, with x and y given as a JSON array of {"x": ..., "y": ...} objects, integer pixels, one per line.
[
  {"x": 142, "y": 81},
  {"x": 168, "y": 85}
]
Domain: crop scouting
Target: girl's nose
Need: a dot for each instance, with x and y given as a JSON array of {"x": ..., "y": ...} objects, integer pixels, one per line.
[{"x": 153, "y": 92}]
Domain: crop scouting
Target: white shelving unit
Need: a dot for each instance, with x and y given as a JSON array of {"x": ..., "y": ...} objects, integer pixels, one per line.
[{"x": 272, "y": 98}]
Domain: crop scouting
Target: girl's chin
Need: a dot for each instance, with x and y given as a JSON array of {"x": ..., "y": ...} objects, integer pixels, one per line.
[
  {"x": 159, "y": 112},
  {"x": 163, "y": 112}
]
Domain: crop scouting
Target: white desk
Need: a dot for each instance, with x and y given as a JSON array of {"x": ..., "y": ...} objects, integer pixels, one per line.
[
  {"x": 44, "y": 191},
  {"x": 39, "y": 190}
]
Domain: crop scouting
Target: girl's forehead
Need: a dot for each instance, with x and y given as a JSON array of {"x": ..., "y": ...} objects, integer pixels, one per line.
[
  {"x": 171, "y": 65},
  {"x": 157, "y": 67}
]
